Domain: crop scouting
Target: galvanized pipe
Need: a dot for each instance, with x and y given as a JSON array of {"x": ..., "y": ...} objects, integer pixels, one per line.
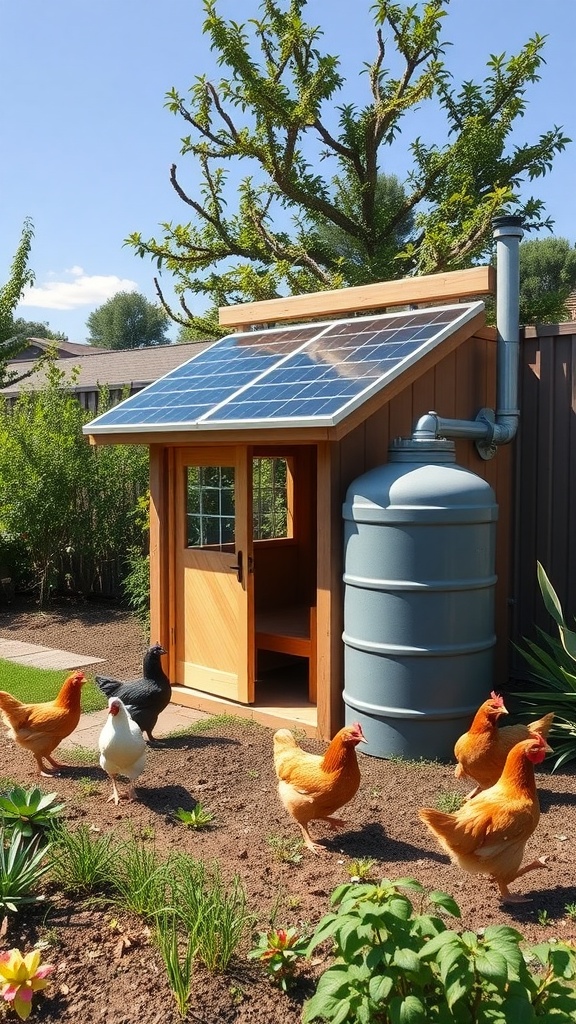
[{"x": 490, "y": 429}]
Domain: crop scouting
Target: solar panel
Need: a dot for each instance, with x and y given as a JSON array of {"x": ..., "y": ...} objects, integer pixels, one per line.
[{"x": 307, "y": 375}]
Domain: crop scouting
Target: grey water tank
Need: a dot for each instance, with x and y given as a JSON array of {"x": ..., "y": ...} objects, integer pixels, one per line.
[{"x": 419, "y": 575}]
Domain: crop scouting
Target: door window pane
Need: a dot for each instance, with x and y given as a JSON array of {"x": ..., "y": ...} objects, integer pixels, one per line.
[
  {"x": 270, "y": 498},
  {"x": 210, "y": 508}
]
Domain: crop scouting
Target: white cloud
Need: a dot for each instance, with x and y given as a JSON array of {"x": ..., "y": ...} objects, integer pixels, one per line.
[{"x": 83, "y": 290}]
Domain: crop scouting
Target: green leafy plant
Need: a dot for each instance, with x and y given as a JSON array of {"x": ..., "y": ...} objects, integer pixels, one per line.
[
  {"x": 393, "y": 965},
  {"x": 198, "y": 817},
  {"x": 553, "y": 664},
  {"x": 20, "y": 978},
  {"x": 279, "y": 950},
  {"x": 360, "y": 868},
  {"x": 179, "y": 964},
  {"x": 21, "y": 869},
  {"x": 543, "y": 917},
  {"x": 29, "y": 811},
  {"x": 80, "y": 862},
  {"x": 570, "y": 909},
  {"x": 288, "y": 851}
]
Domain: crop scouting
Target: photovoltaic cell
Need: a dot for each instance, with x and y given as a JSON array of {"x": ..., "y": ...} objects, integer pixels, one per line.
[{"x": 307, "y": 374}]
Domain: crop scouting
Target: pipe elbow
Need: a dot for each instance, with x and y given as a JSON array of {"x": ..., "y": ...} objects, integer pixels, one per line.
[
  {"x": 426, "y": 427},
  {"x": 505, "y": 428}
]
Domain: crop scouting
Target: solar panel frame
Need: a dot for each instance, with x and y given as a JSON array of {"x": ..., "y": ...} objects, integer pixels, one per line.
[{"x": 301, "y": 375}]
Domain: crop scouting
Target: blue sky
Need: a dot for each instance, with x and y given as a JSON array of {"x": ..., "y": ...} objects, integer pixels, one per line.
[{"x": 87, "y": 143}]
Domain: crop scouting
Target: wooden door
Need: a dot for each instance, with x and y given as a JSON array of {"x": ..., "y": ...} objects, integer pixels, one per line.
[{"x": 213, "y": 593}]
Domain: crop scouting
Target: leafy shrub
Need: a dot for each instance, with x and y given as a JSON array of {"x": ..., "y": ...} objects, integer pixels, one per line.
[
  {"x": 66, "y": 506},
  {"x": 28, "y": 811},
  {"x": 553, "y": 664},
  {"x": 393, "y": 965}
]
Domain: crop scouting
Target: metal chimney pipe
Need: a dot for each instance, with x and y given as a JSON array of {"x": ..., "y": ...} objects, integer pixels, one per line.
[
  {"x": 507, "y": 232},
  {"x": 491, "y": 429}
]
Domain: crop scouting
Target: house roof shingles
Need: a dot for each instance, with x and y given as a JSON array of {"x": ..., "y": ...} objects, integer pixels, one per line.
[{"x": 113, "y": 368}]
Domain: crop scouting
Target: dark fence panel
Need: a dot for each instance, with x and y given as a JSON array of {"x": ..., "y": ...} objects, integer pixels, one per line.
[{"x": 545, "y": 484}]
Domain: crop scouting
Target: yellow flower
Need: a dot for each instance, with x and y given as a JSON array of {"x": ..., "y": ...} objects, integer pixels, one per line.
[{"x": 20, "y": 977}]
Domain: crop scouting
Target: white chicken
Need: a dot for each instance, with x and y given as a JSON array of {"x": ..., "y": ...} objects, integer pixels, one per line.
[{"x": 122, "y": 748}]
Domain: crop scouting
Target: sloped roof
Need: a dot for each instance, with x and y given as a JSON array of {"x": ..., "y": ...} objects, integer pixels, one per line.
[
  {"x": 114, "y": 368},
  {"x": 298, "y": 376}
]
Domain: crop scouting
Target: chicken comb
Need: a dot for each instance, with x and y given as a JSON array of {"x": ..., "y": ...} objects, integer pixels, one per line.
[{"x": 497, "y": 698}]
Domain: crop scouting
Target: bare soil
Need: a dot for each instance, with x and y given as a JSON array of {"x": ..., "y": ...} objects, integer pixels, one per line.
[{"x": 108, "y": 969}]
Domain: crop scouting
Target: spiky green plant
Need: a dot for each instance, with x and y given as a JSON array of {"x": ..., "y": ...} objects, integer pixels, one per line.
[
  {"x": 553, "y": 665},
  {"x": 21, "y": 869}
]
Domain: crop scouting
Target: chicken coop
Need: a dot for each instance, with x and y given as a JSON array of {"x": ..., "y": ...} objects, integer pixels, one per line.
[{"x": 253, "y": 444}]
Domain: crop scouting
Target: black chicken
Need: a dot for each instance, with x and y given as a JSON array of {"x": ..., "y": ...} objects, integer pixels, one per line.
[{"x": 143, "y": 698}]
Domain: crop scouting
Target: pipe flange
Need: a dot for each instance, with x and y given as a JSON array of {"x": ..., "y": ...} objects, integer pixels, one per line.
[{"x": 485, "y": 445}]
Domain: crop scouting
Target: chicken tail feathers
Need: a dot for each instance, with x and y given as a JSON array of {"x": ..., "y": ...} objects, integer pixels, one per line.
[
  {"x": 108, "y": 686},
  {"x": 10, "y": 707},
  {"x": 542, "y": 725}
]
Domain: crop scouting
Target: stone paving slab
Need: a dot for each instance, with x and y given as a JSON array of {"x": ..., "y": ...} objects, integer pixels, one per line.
[{"x": 43, "y": 657}]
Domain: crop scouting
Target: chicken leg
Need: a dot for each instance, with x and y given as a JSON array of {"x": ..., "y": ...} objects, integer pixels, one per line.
[{"x": 509, "y": 897}]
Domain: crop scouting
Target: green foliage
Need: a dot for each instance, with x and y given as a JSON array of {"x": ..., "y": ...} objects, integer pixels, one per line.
[
  {"x": 179, "y": 965},
  {"x": 213, "y": 912},
  {"x": 35, "y": 685},
  {"x": 553, "y": 665},
  {"x": 199, "y": 817},
  {"x": 286, "y": 850},
  {"x": 393, "y": 965},
  {"x": 136, "y": 583},
  {"x": 140, "y": 879},
  {"x": 21, "y": 869},
  {"x": 12, "y": 342},
  {"x": 128, "y": 320},
  {"x": 35, "y": 329},
  {"x": 279, "y": 950},
  {"x": 449, "y": 802},
  {"x": 547, "y": 276},
  {"x": 68, "y": 504},
  {"x": 360, "y": 869},
  {"x": 29, "y": 812},
  {"x": 280, "y": 113},
  {"x": 79, "y": 861}
]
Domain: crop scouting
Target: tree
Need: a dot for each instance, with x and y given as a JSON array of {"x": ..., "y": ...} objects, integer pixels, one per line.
[
  {"x": 547, "y": 276},
  {"x": 12, "y": 340},
  {"x": 35, "y": 329},
  {"x": 128, "y": 320},
  {"x": 281, "y": 112}
]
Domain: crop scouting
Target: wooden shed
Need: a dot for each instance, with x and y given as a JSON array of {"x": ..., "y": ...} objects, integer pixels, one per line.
[{"x": 253, "y": 444}]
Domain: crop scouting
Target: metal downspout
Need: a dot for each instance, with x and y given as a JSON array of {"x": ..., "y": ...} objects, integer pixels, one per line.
[{"x": 490, "y": 428}]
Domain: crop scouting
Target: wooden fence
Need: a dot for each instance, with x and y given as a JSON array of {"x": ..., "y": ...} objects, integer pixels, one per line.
[{"x": 544, "y": 517}]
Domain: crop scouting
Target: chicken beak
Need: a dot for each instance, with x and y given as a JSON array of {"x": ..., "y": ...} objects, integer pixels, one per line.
[{"x": 548, "y": 749}]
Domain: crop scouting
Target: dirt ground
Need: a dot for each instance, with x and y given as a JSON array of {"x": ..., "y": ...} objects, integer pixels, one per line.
[{"x": 101, "y": 978}]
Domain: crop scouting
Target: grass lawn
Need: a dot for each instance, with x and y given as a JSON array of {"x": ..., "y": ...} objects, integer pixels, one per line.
[{"x": 33, "y": 685}]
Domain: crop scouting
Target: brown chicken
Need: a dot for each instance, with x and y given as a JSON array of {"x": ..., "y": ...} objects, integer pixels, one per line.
[
  {"x": 313, "y": 786},
  {"x": 41, "y": 727},
  {"x": 482, "y": 751},
  {"x": 487, "y": 835}
]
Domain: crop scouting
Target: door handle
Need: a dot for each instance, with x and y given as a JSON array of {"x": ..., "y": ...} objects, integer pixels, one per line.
[{"x": 238, "y": 567}]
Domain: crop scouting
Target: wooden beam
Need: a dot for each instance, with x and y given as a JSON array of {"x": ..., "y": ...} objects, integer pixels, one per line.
[{"x": 448, "y": 287}]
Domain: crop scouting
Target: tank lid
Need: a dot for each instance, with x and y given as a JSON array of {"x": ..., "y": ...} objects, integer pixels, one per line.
[{"x": 426, "y": 449}]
